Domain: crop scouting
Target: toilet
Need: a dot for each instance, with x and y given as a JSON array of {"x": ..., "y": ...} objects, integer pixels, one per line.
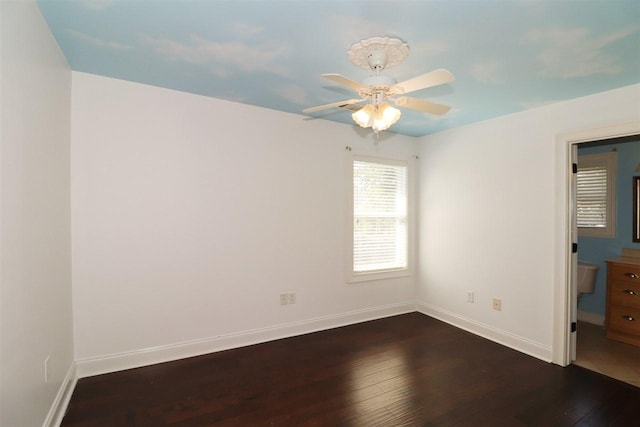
[{"x": 586, "y": 278}]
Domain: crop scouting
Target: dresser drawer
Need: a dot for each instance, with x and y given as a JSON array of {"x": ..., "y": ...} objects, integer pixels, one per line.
[
  {"x": 625, "y": 294},
  {"x": 624, "y": 320},
  {"x": 624, "y": 272}
]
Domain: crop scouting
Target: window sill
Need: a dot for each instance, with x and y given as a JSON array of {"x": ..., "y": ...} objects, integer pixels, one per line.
[
  {"x": 378, "y": 275},
  {"x": 596, "y": 232}
]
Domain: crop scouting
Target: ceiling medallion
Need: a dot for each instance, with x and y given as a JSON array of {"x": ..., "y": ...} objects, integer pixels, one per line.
[{"x": 378, "y": 52}]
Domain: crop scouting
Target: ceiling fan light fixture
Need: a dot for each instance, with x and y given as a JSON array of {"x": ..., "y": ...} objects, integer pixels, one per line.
[
  {"x": 385, "y": 117},
  {"x": 364, "y": 116},
  {"x": 379, "y": 117}
]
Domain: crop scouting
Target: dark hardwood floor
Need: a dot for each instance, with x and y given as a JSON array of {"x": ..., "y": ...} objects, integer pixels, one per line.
[{"x": 408, "y": 370}]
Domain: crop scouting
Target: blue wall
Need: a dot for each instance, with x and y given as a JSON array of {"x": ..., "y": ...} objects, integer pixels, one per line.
[{"x": 595, "y": 250}]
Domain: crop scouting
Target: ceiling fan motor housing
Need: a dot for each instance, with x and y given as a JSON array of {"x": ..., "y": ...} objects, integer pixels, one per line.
[
  {"x": 379, "y": 81},
  {"x": 378, "y": 87}
]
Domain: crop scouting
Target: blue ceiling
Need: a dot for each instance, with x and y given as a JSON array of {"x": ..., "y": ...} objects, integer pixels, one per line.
[{"x": 507, "y": 55}]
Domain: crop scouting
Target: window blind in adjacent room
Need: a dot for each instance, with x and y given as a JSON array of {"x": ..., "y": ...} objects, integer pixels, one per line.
[{"x": 592, "y": 197}]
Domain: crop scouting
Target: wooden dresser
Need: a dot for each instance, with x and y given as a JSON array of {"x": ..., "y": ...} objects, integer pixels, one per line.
[{"x": 623, "y": 299}]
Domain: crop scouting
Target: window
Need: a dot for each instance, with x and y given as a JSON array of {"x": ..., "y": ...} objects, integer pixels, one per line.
[
  {"x": 596, "y": 195},
  {"x": 380, "y": 223}
]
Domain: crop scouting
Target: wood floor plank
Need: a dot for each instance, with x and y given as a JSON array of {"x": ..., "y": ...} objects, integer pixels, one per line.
[{"x": 409, "y": 370}]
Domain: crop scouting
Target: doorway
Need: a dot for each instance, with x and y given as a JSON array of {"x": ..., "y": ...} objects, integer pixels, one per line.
[
  {"x": 592, "y": 348},
  {"x": 565, "y": 274}
]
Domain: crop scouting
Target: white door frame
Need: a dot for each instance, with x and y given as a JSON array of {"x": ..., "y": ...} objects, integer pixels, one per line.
[{"x": 565, "y": 293}]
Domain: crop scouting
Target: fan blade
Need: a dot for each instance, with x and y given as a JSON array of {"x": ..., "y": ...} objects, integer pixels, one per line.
[
  {"x": 332, "y": 105},
  {"x": 344, "y": 81},
  {"x": 351, "y": 107},
  {"x": 420, "y": 105},
  {"x": 433, "y": 78}
]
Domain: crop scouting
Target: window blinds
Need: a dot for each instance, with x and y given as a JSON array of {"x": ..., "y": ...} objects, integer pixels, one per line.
[
  {"x": 592, "y": 197},
  {"x": 380, "y": 231}
]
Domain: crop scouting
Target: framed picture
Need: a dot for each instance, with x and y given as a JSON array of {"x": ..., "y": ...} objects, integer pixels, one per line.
[{"x": 636, "y": 208}]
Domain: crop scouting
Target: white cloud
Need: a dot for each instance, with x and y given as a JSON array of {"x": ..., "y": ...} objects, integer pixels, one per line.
[
  {"x": 98, "y": 42},
  {"x": 97, "y": 5},
  {"x": 223, "y": 57},
  {"x": 240, "y": 29},
  {"x": 430, "y": 47},
  {"x": 576, "y": 52},
  {"x": 487, "y": 72},
  {"x": 293, "y": 93},
  {"x": 353, "y": 28}
]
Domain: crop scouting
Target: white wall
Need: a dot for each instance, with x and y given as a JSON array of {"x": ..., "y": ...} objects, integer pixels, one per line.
[
  {"x": 191, "y": 215},
  {"x": 35, "y": 277},
  {"x": 491, "y": 218}
]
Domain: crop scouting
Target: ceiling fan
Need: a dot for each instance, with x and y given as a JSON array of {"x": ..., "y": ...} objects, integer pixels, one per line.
[{"x": 376, "y": 54}]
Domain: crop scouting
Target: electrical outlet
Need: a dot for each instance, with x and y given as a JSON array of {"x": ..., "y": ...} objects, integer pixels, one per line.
[
  {"x": 292, "y": 297},
  {"x": 469, "y": 296},
  {"x": 497, "y": 304},
  {"x": 284, "y": 299},
  {"x": 46, "y": 369}
]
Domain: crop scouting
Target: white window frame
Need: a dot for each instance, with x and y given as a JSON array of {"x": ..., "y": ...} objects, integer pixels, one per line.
[
  {"x": 352, "y": 276},
  {"x": 609, "y": 162}
]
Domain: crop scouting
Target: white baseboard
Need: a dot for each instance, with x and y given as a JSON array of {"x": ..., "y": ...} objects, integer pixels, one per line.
[
  {"x": 60, "y": 403},
  {"x": 516, "y": 342},
  {"x": 149, "y": 356},
  {"x": 594, "y": 318}
]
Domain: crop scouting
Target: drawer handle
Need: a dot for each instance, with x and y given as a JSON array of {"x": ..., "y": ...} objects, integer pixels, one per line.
[
  {"x": 630, "y": 292},
  {"x": 629, "y": 318},
  {"x": 632, "y": 275}
]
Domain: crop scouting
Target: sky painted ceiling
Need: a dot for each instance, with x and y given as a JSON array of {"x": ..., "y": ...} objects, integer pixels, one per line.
[{"x": 507, "y": 55}]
